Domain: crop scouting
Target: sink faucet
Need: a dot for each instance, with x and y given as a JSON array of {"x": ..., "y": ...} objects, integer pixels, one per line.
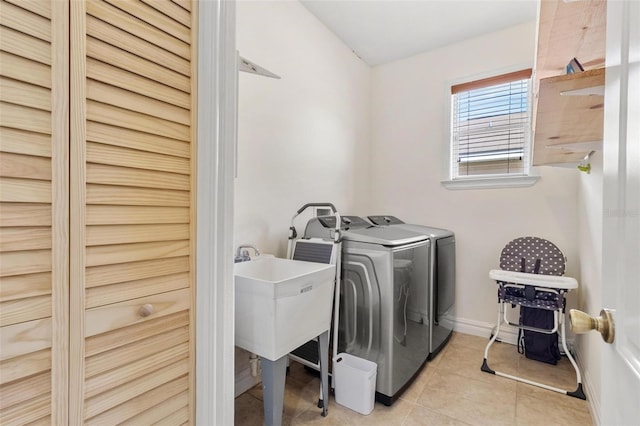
[{"x": 242, "y": 254}]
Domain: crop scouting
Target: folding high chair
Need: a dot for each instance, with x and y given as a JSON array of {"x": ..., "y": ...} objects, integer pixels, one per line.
[{"x": 531, "y": 276}]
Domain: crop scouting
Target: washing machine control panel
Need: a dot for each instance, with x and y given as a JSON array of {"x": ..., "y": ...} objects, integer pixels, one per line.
[{"x": 348, "y": 222}]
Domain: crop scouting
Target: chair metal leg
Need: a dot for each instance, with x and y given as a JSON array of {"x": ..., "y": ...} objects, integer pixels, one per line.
[
  {"x": 560, "y": 324},
  {"x": 485, "y": 365},
  {"x": 579, "y": 392}
]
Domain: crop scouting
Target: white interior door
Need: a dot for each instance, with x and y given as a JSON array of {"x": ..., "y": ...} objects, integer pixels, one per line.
[{"x": 621, "y": 243}]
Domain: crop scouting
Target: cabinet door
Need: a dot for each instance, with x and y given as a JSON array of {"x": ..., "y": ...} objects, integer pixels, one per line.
[
  {"x": 33, "y": 211},
  {"x": 132, "y": 127}
]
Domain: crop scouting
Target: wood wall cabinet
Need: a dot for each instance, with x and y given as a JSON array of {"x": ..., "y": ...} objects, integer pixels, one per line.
[
  {"x": 97, "y": 191},
  {"x": 567, "y": 127}
]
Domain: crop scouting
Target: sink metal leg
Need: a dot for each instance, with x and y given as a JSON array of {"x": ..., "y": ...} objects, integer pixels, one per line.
[
  {"x": 323, "y": 346},
  {"x": 273, "y": 376}
]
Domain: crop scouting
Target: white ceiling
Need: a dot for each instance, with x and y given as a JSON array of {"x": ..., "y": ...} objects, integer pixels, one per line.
[{"x": 381, "y": 31}]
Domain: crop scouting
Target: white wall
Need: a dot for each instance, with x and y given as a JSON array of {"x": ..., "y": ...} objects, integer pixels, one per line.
[
  {"x": 409, "y": 147},
  {"x": 304, "y": 138},
  {"x": 590, "y": 239}
]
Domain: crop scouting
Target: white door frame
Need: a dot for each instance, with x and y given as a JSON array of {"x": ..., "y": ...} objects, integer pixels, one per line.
[{"x": 217, "y": 111}]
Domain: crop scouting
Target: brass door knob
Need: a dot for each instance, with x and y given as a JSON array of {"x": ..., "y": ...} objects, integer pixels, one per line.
[{"x": 582, "y": 323}]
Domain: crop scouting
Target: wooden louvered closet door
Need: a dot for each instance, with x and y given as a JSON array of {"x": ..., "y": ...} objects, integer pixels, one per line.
[
  {"x": 97, "y": 211},
  {"x": 33, "y": 211},
  {"x": 132, "y": 245}
]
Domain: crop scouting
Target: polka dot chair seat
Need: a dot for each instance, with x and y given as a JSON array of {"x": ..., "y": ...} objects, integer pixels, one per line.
[{"x": 535, "y": 256}]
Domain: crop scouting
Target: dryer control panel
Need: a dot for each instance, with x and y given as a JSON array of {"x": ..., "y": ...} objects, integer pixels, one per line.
[{"x": 385, "y": 220}]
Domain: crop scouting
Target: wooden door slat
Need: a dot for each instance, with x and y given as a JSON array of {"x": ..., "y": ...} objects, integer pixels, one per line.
[
  {"x": 24, "y": 286},
  {"x": 104, "y": 295},
  {"x": 25, "y": 46},
  {"x": 126, "y": 234},
  {"x": 24, "y": 21},
  {"x": 22, "y": 366},
  {"x": 25, "y": 262},
  {"x": 22, "y": 142},
  {"x": 126, "y": 176},
  {"x": 23, "y": 310},
  {"x": 26, "y": 412},
  {"x": 127, "y": 80},
  {"x": 137, "y": 26},
  {"x": 22, "y": 390},
  {"x": 104, "y": 52},
  {"x": 117, "y": 396},
  {"x": 185, "y": 4},
  {"x": 132, "y": 215},
  {"x": 108, "y": 114},
  {"x": 25, "y": 238},
  {"x": 42, "y": 8},
  {"x": 126, "y": 138},
  {"x": 155, "y": 17},
  {"x": 25, "y": 94},
  {"x": 111, "y": 95},
  {"x": 20, "y": 117},
  {"x": 23, "y": 338},
  {"x": 134, "y": 370},
  {"x": 24, "y": 190},
  {"x": 134, "y": 333},
  {"x": 25, "y": 214},
  {"x": 117, "y": 156},
  {"x": 124, "y": 253},
  {"x": 46, "y": 421},
  {"x": 171, "y": 9},
  {"x": 117, "y": 37},
  {"x": 124, "y": 196},
  {"x": 141, "y": 403},
  {"x": 25, "y": 166},
  {"x": 170, "y": 412},
  {"x": 22, "y": 69},
  {"x": 178, "y": 417},
  {"x": 114, "y": 274},
  {"x": 119, "y": 357}
]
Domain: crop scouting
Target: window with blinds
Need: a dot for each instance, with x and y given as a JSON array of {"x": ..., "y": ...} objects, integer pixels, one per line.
[{"x": 491, "y": 126}]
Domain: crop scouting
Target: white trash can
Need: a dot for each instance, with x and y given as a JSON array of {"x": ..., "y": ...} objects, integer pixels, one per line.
[{"x": 355, "y": 382}]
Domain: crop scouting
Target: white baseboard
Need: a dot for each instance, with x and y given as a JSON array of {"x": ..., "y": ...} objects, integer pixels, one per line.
[
  {"x": 508, "y": 334},
  {"x": 245, "y": 381},
  {"x": 593, "y": 398}
]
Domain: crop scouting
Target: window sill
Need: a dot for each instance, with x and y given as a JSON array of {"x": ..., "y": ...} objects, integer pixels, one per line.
[{"x": 491, "y": 182}]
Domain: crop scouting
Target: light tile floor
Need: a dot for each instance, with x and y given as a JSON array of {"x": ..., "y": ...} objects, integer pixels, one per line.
[{"x": 450, "y": 390}]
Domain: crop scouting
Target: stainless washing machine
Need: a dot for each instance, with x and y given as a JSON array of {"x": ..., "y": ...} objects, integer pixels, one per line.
[
  {"x": 384, "y": 302},
  {"x": 442, "y": 278}
]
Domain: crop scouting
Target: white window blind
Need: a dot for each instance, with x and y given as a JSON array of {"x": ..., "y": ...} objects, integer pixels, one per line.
[{"x": 491, "y": 126}]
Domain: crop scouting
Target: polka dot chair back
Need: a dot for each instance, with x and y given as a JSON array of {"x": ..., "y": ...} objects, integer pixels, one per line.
[{"x": 533, "y": 255}]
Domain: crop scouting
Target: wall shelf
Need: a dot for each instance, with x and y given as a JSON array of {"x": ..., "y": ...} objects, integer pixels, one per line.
[
  {"x": 563, "y": 121},
  {"x": 568, "y": 110}
]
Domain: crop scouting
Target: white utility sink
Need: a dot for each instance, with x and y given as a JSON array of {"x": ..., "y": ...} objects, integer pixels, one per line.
[{"x": 281, "y": 304}]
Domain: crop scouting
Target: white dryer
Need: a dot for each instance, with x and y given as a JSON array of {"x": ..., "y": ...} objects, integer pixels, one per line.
[{"x": 442, "y": 278}]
